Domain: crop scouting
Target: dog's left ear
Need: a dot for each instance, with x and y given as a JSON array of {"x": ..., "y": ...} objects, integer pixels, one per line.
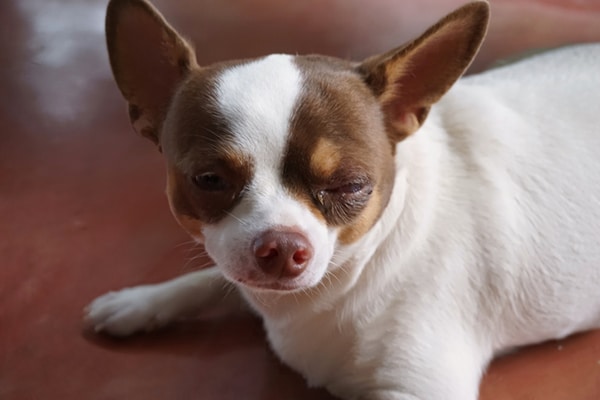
[{"x": 408, "y": 80}]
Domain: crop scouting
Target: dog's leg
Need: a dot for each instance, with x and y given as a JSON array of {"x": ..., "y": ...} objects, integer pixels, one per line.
[{"x": 143, "y": 308}]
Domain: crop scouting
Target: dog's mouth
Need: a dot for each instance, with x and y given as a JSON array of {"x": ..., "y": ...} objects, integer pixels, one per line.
[{"x": 274, "y": 286}]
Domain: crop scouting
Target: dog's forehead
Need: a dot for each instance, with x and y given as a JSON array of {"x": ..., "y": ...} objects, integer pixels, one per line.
[
  {"x": 257, "y": 100},
  {"x": 274, "y": 102},
  {"x": 258, "y": 107}
]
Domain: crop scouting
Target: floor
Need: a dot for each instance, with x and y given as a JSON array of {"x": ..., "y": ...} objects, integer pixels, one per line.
[{"x": 82, "y": 211}]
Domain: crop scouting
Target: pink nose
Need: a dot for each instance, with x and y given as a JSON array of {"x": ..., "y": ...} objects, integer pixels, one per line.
[{"x": 282, "y": 254}]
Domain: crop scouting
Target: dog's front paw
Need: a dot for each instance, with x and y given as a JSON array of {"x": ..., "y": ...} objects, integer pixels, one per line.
[{"x": 127, "y": 311}]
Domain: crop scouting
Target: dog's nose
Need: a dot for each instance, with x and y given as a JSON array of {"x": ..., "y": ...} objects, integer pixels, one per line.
[{"x": 282, "y": 254}]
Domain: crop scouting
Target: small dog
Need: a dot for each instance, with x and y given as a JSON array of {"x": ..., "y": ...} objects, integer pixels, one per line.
[{"x": 394, "y": 228}]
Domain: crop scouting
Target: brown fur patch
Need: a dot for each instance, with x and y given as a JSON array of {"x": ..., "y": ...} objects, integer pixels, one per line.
[
  {"x": 363, "y": 223},
  {"x": 339, "y": 160},
  {"x": 196, "y": 141},
  {"x": 326, "y": 157},
  {"x": 180, "y": 205}
]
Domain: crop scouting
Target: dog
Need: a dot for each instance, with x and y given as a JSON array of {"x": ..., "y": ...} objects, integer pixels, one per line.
[{"x": 393, "y": 226}]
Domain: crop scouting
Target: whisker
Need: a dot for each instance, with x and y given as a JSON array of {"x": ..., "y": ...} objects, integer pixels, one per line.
[
  {"x": 190, "y": 242},
  {"x": 241, "y": 221},
  {"x": 202, "y": 255}
]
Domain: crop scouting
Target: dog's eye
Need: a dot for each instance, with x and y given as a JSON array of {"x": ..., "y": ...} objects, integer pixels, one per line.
[
  {"x": 348, "y": 188},
  {"x": 342, "y": 202},
  {"x": 210, "y": 182}
]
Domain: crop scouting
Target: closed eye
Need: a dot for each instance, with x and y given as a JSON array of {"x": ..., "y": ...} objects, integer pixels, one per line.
[
  {"x": 341, "y": 202},
  {"x": 210, "y": 182},
  {"x": 347, "y": 188}
]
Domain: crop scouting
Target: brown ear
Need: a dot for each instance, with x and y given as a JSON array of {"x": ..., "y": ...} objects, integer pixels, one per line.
[
  {"x": 409, "y": 79},
  {"x": 148, "y": 59}
]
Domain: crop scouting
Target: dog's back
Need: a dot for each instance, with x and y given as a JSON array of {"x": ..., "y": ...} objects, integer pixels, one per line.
[{"x": 519, "y": 177}]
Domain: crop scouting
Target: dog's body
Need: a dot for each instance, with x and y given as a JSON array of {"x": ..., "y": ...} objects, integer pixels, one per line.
[{"x": 482, "y": 235}]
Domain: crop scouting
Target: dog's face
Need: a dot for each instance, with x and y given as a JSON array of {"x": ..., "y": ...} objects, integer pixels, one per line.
[{"x": 276, "y": 162}]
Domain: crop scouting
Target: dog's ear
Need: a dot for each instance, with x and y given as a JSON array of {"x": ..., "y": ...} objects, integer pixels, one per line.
[
  {"x": 148, "y": 59},
  {"x": 409, "y": 79}
]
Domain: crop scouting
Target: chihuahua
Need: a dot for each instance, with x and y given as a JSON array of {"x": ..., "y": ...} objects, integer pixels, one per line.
[{"x": 423, "y": 222}]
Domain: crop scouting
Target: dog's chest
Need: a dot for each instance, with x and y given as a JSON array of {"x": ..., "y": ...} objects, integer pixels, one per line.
[
  {"x": 312, "y": 342},
  {"x": 334, "y": 344},
  {"x": 315, "y": 347}
]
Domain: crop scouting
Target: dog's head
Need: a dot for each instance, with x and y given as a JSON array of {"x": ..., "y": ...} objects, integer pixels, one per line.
[{"x": 276, "y": 162}]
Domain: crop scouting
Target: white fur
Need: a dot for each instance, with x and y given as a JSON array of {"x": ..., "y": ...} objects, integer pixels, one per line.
[
  {"x": 257, "y": 99},
  {"x": 490, "y": 239}
]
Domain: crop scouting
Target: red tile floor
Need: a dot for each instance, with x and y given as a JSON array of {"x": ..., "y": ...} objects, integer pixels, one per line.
[{"x": 82, "y": 211}]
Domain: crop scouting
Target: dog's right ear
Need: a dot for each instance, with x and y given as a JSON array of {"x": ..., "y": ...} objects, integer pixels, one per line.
[{"x": 148, "y": 59}]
